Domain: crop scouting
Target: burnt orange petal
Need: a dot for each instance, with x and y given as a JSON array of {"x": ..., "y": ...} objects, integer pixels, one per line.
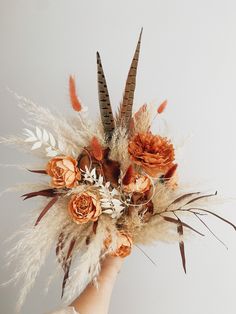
[
  {"x": 162, "y": 107},
  {"x": 73, "y": 97},
  {"x": 128, "y": 175},
  {"x": 96, "y": 149}
]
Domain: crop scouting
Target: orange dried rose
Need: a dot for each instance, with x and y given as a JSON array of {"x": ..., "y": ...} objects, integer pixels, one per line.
[
  {"x": 138, "y": 184},
  {"x": 124, "y": 244},
  {"x": 153, "y": 152},
  {"x": 64, "y": 172},
  {"x": 84, "y": 207}
]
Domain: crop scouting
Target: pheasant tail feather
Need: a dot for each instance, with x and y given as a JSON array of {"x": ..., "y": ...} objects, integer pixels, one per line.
[
  {"x": 104, "y": 101},
  {"x": 125, "y": 113}
]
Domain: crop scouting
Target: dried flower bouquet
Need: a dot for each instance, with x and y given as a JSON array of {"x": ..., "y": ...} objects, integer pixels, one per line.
[{"x": 109, "y": 187}]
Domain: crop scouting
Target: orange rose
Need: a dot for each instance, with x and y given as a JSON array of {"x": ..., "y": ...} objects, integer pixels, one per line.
[
  {"x": 84, "y": 207},
  {"x": 138, "y": 184},
  {"x": 124, "y": 244},
  {"x": 64, "y": 172},
  {"x": 153, "y": 152}
]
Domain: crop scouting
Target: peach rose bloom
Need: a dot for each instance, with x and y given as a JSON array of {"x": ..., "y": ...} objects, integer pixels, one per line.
[
  {"x": 64, "y": 172},
  {"x": 124, "y": 244},
  {"x": 84, "y": 207},
  {"x": 154, "y": 153},
  {"x": 139, "y": 184}
]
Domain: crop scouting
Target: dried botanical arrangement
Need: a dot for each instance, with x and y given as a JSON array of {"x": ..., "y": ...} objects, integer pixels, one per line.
[{"x": 109, "y": 186}]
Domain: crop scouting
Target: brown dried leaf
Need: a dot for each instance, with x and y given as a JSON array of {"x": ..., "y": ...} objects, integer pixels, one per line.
[
  {"x": 181, "y": 198},
  {"x": 111, "y": 171},
  {"x": 169, "y": 174},
  {"x": 46, "y": 193},
  {"x": 209, "y": 229},
  {"x": 45, "y": 210},
  {"x": 84, "y": 160},
  {"x": 176, "y": 221},
  {"x": 180, "y": 231},
  {"x": 67, "y": 264},
  {"x": 38, "y": 171},
  {"x": 95, "y": 225},
  {"x": 216, "y": 215},
  {"x": 200, "y": 197},
  {"x": 128, "y": 175}
]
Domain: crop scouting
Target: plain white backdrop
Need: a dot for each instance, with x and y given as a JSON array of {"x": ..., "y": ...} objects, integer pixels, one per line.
[{"x": 188, "y": 56}]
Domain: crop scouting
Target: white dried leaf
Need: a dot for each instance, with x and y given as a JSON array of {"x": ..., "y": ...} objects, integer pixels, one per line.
[
  {"x": 93, "y": 173},
  {"x": 116, "y": 215},
  {"x": 36, "y": 145},
  {"x": 116, "y": 202},
  {"x": 39, "y": 133},
  {"x": 61, "y": 146},
  {"x": 52, "y": 153},
  {"x": 29, "y": 133},
  {"x": 45, "y": 136},
  {"x": 30, "y": 139},
  {"x": 114, "y": 192},
  {"x": 100, "y": 179},
  {"x": 52, "y": 140},
  {"x": 107, "y": 185},
  {"x": 108, "y": 211},
  {"x": 106, "y": 204},
  {"x": 89, "y": 180}
]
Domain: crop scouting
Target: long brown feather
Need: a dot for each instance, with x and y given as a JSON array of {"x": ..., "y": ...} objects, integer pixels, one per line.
[
  {"x": 125, "y": 114},
  {"x": 104, "y": 101}
]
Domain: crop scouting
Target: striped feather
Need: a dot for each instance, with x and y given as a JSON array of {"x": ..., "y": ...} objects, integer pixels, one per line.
[
  {"x": 125, "y": 114},
  {"x": 104, "y": 101}
]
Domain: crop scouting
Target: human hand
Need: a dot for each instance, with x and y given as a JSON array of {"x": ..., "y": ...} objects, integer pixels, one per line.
[{"x": 93, "y": 300}]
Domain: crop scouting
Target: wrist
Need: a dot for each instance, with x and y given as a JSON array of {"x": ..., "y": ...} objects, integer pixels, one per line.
[{"x": 109, "y": 269}]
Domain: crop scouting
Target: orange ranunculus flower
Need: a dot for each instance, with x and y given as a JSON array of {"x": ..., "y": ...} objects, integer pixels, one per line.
[
  {"x": 64, "y": 172},
  {"x": 124, "y": 244},
  {"x": 138, "y": 184},
  {"x": 84, "y": 207},
  {"x": 153, "y": 152}
]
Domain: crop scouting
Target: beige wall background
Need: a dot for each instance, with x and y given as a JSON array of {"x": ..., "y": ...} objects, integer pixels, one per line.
[{"x": 189, "y": 57}]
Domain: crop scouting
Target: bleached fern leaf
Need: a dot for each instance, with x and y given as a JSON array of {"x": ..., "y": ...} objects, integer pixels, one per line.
[
  {"x": 110, "y": 197},
  {"x": 42, "y": 137}
]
